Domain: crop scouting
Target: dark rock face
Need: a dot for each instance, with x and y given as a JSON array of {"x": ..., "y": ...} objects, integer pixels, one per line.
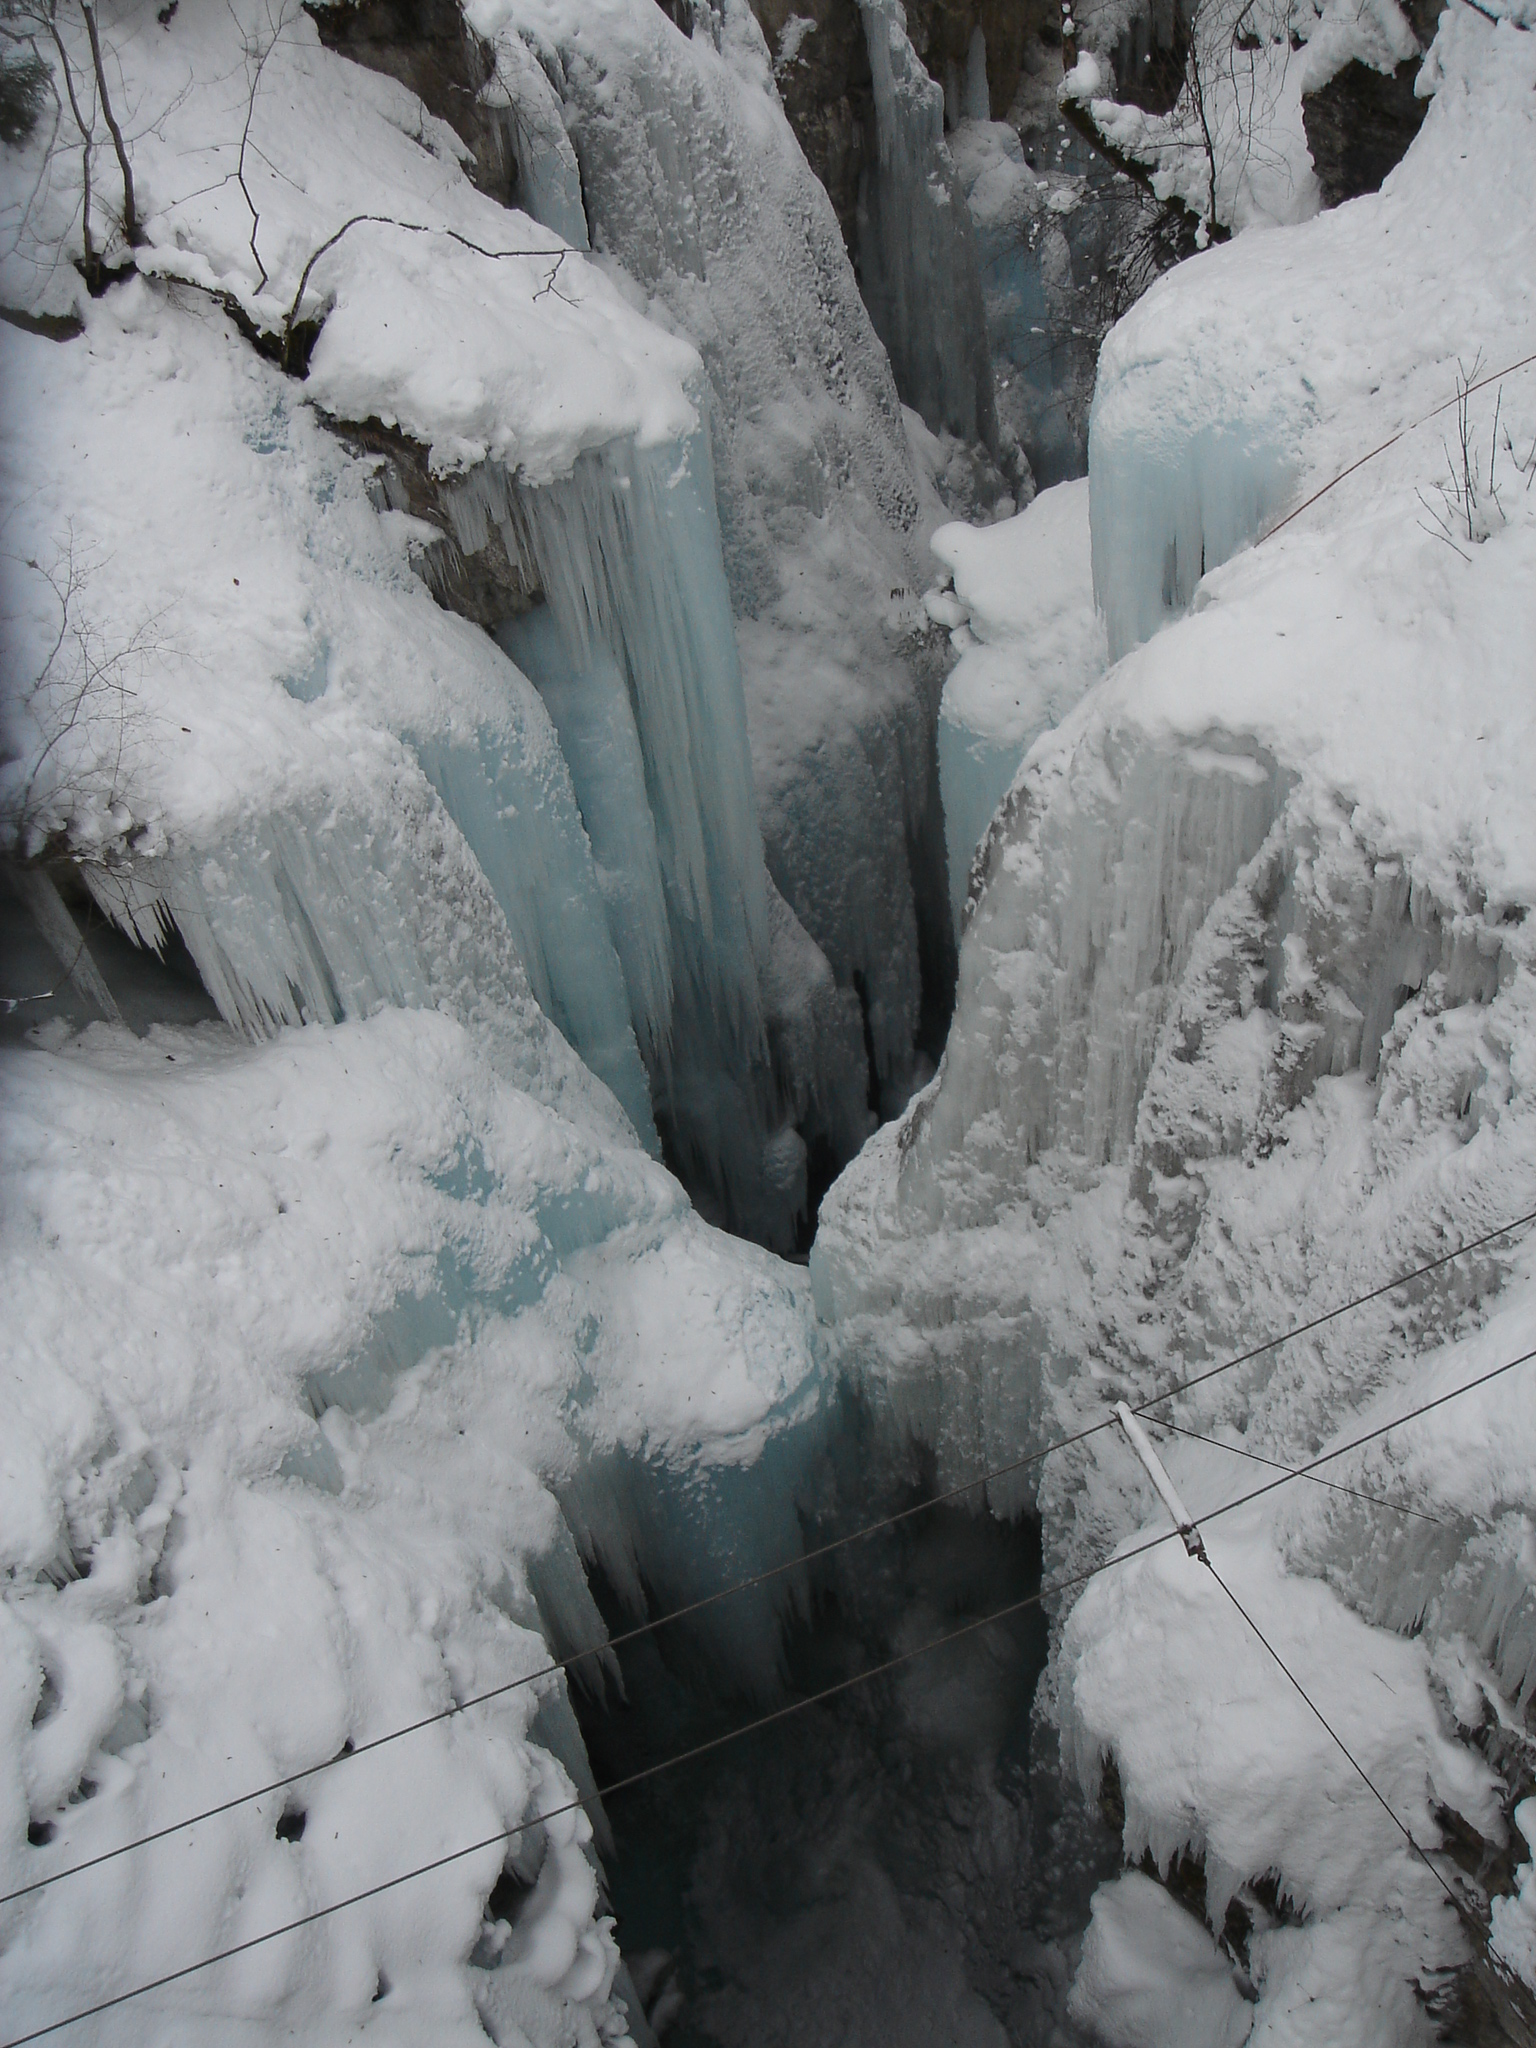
[
  {"x": 941, "y": 32},
  {"x": 484, "y": 585},
  {"x": 823, "y": 80},
  {"x": 1359, "y": 126},
  {"x": 1150, "y": 58},
  {"x": 429, "y": 47}
]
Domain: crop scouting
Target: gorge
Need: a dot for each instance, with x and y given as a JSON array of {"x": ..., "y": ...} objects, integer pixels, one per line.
[{"x": 750, "y": 755}]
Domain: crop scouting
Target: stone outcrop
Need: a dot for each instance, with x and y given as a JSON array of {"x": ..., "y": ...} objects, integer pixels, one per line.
[{"x": 1359, "y": 126}]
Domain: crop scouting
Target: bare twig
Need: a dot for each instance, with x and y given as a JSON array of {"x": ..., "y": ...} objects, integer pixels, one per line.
[
  {"x": 91, "y": 263},
  {"x": 82, "y": 687},
  {"x": 1470, "y": 509},
  {"x": 245, "y": 133}
]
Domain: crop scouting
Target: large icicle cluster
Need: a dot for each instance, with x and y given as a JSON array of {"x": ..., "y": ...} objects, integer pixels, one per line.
[
  {"x": 693, "y": 182},
  {"x": 636, "y": 650},
  {"x": 1244, "y": 1028}
]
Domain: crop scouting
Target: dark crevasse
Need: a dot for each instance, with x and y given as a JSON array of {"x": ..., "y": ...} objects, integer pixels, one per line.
[{"x": 901, "y": 1863}]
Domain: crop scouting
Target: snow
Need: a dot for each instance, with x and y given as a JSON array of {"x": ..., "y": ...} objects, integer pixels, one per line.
[
  {"x": 1514, "y": 1919},
  {"x": 1151, "y": 1977},
  {"x": 342, "y": 1334},
  {"x": 298, "y": 711},
  {"x": 1244, "y": 381},
  {"x": 1023, "y": 591},
  {"x": 182, "y": 1306},
  {"x": 1274, "y": 1792},
  {"x": 330, "y": 141},
  {"x": 1235, "y": 154}
]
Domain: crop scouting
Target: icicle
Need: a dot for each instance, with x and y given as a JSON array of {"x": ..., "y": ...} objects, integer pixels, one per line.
[
  {"x": 520, "y": 819},
  {"x": 635, "y": 654},
  {"x": 1172, "y": 494},
  {"x": 335, "y": 908}
]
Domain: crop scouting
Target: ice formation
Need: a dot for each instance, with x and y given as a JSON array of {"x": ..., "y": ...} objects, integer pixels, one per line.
[
  {"x": 823, "y": 510},
  {"x": 347, "y": 1341},
  {"x": 357, "y": 814},
  {"x": 523, "y": 1305}
]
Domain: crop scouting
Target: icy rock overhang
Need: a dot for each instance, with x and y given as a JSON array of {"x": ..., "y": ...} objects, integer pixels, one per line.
[
  {"x": 360, "y": 217},
  {"x": 286, "y": 729},
  {"x": 1249, "y": 377}
]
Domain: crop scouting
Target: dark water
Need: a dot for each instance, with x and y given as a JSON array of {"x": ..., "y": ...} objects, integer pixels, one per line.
[{"x": 900, "y": 1865}]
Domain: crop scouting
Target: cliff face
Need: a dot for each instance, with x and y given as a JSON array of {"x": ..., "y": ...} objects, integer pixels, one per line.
[{"x": 824, "y": 81}]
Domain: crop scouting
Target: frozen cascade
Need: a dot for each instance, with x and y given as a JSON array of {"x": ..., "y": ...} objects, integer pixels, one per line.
[
  {"x": 1174, "y": 493},
  {"x": 1238, "y": 1091},
  {"x": 548, "y": 178},
  {"x": 530, "y": 846},
  {"x": 1131, "y": 856},
  {"x": 322, "y": 910},
  {"x": 627, "y": 552},
  {"x": 1058, "y": 237},
  {"x": 1194, "y": 446},
  {"x": 637, "y": 651},
  {"x": 917, "y": 253},
  {"x": 1095, "y": 879}
]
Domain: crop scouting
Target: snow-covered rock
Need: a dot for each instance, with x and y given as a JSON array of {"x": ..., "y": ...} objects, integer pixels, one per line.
[{"x": 1243, "y": 1029}]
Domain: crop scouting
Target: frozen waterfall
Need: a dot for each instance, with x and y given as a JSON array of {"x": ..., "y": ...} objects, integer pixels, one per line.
[{"x": 917, "y": 253}]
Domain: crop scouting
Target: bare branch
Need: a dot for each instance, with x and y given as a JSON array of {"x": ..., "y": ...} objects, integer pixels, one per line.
[
  {"x": 79, "y": 705},
  {"x": 409, "y": 227},
  {"x": 91, "y": 262},
  {"x": 133, "y": 233}
]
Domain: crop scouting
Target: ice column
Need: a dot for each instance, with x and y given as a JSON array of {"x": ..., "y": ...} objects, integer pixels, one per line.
[
  {"x": 589, "y": 703},
  {"x": 635, "y": 654},
  {"x": 917, "y": 256}
]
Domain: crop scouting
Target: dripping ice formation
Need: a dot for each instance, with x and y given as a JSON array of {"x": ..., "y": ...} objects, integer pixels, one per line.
[{"x": 823, "y": 509}]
